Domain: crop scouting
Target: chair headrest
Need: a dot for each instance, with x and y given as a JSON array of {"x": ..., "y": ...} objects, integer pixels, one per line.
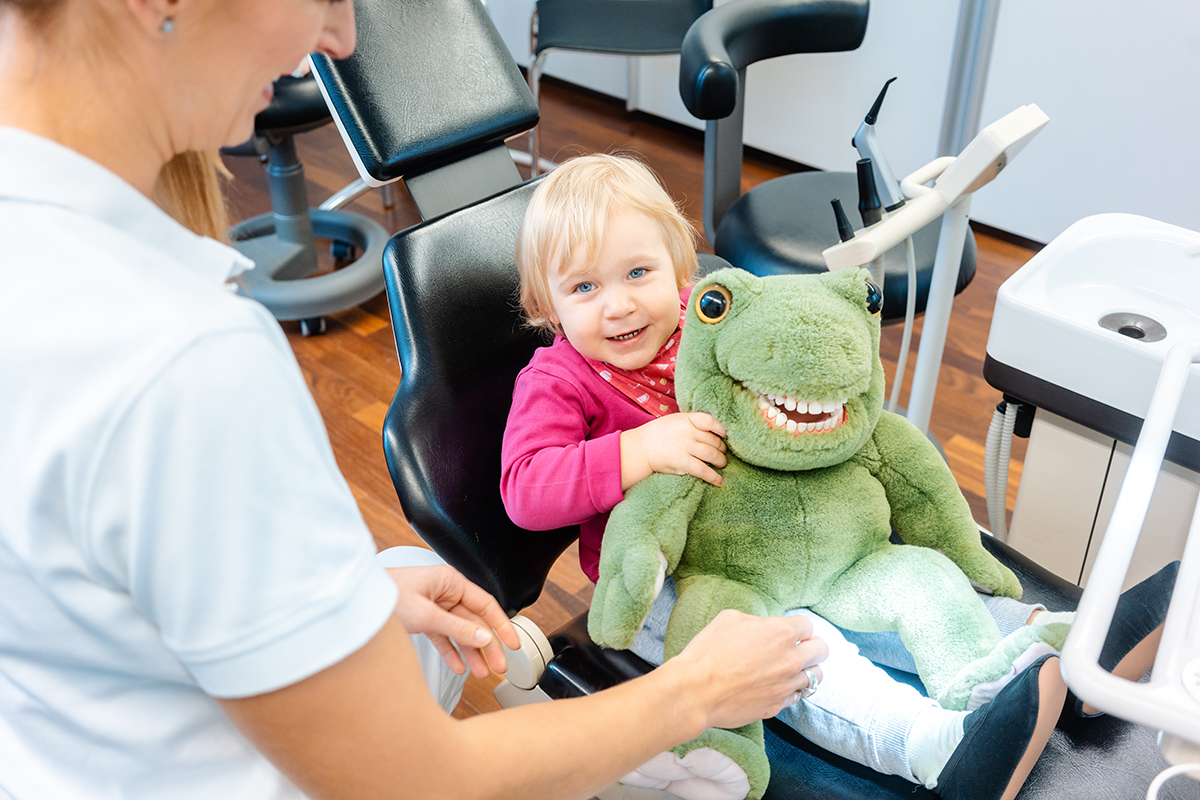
[{"x": 428, "y": 84}]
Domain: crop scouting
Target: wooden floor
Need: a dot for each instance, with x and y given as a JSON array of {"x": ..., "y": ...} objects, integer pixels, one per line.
[{"x": 353, "y": 370}]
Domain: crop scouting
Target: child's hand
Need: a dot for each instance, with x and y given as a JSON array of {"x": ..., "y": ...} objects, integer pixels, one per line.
[{"x": 677, "y": 444}]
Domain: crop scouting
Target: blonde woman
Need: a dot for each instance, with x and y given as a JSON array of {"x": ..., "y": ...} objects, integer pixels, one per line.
[{"x": 190, "y": 603}]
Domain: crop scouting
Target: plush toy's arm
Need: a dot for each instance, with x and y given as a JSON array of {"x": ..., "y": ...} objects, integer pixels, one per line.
[
  {"x": 651, "y": 520},
  {"x": 928, "y": 508}
]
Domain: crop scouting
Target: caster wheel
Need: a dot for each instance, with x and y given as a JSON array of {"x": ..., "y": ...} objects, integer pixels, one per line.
[
  {"x": 313, "y": 326},
  {"x": 343, "y": 253}
]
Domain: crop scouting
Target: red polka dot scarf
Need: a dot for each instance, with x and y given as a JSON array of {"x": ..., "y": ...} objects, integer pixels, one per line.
[{"x": 653, "y": 386}]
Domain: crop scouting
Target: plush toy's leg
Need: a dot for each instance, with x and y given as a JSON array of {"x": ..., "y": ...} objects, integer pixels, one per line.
[
  {"x": 926, "y": 598},
  {"x": 709, "y": 767},
  {"x": 719, "y": 764},
  {"x": 700, "y": 598}
]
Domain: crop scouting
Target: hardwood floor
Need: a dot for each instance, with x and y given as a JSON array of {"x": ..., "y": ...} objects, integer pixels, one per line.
[{"x": 353, "y": 369}]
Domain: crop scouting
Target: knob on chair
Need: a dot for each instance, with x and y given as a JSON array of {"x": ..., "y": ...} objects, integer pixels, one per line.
[{"x": 283, "y": 243}]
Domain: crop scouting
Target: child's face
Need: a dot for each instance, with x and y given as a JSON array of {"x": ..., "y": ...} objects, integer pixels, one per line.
[{"x": 624, "y": 307}]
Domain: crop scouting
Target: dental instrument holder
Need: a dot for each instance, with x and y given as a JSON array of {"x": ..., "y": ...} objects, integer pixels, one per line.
[
  {"x": 955, "y": 180},
  {"x": 845, "y": 230},
  {"x": 870, "y": 210},
  {"x": 1171, "y": 699}
]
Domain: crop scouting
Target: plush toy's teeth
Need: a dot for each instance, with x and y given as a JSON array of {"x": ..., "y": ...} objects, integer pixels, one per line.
[{"x": 784, "y": 411}]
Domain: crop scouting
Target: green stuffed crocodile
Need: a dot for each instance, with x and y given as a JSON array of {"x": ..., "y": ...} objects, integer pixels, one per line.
[{"x": 817, "y": 476}]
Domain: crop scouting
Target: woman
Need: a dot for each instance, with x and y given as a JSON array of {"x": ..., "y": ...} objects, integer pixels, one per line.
[{"x": 191, "y": 605}]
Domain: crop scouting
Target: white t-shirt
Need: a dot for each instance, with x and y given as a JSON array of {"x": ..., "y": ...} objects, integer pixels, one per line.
[{"x": 173, "y": 525}]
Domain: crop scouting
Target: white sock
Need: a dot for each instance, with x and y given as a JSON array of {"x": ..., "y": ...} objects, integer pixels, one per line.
[{"x": 934, "y": 735}]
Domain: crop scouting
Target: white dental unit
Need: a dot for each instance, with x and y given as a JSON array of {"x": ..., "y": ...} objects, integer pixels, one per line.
[
  {"x": 1080, "y": 333},
  {"x": 1101, "y": 333}
]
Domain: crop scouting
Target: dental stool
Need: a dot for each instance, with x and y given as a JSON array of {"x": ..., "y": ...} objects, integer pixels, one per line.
[
  {"x": 782, "y": 225},
  {"x": 433, "y": 93},
  {"x": 283, "y": 242}
]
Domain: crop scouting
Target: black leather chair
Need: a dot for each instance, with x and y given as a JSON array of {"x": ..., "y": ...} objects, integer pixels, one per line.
[
  {"x": 451, "y": 284},
  {"x": 783, "y": 225}
]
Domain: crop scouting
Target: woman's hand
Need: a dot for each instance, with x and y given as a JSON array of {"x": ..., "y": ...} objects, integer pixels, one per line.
[
  {"x": 440, "y": 603},
  {"x": 690, "y": 443},
  {"x": 751, "y": 667}
]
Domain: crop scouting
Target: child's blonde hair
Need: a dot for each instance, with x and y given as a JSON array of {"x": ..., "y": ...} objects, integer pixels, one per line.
[{"x": 569, "y": 211}]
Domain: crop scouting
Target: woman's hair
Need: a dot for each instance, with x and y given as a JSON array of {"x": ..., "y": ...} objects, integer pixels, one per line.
[
  {"x": 190, "y": 184},
  {"x": 568, "y": 213},
  {"x": 190, "y": 190}
]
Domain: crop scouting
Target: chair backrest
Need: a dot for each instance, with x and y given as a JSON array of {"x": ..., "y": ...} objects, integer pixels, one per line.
[
  {"x": 712, "y": 72},
  {"x": 452, "y": 285}
]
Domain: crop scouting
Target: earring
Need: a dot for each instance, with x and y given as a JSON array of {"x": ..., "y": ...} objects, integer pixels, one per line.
[{"x": 168, "y": 24}]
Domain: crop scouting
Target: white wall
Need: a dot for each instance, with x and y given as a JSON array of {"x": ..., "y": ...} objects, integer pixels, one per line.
[{"x": 1118, "y": 82}]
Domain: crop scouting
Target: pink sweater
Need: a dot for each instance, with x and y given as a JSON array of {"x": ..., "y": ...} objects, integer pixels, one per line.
[{"x": 561, "y": 460}]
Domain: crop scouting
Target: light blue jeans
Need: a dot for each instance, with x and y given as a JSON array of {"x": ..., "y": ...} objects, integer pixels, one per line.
[{"x": 859, "y": 712}]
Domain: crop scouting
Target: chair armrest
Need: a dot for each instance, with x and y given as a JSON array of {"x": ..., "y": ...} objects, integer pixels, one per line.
[
  {"x": 732, "y": 36},
  {"x": 581, "y": 667}
]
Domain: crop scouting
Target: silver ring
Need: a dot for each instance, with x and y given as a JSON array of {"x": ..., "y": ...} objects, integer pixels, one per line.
[{"x": 813, "y": 683}]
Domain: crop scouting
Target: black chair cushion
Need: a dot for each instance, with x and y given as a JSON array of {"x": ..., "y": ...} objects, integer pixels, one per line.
[
  {"x": 297, "y": 106},
  {"x": 618, "y": 27},
  {"x": 429, "y": 83},
  {"x": 781, "y": 227}
]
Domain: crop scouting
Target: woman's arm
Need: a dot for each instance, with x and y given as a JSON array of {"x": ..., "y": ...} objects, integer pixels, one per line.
[{"x": 366, "y": 727}]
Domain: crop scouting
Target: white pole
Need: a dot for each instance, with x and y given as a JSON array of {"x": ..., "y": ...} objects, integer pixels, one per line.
[{"x": 937, "y": 311}]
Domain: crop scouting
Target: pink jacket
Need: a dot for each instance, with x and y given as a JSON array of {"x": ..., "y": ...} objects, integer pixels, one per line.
[{"x": 561, "y": 460}]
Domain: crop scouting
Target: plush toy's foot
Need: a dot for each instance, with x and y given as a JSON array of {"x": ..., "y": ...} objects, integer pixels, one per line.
[
  {"x": 1140, "y": 613},
  {"x": 717, "y": 765},
  {"x": 1003, "y": 740},
  {"x": 982, "y": 680}
]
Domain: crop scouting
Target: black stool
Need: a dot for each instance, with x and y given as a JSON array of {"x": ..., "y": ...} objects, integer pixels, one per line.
[
  {"x": 283, "y": 242},
  {"x": 783, "y": 225}
]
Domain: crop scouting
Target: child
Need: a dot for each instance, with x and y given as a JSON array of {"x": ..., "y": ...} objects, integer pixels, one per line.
[{"x": 605, "y": 260}]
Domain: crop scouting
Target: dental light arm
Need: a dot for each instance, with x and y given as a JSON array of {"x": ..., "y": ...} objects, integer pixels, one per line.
[
  {"x": 1171, "y": 700},
  {"x": 978, "y": 163}
]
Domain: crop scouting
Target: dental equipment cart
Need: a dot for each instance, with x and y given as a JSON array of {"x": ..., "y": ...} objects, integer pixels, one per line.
[{"x": 1081, "y": 333}]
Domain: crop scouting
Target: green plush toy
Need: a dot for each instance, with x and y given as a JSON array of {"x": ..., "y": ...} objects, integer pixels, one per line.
[{"x": 810, "y": 497}]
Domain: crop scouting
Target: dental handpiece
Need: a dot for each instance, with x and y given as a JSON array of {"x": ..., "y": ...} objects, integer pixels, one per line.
[{"x": 867, "y": 144}]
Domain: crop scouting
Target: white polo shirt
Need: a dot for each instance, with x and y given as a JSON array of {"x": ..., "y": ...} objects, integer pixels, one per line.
[{"x": 173, "y": 525}]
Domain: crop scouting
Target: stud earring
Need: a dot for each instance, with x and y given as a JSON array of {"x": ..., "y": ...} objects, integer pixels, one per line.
[{"x": 168, "y": 24}]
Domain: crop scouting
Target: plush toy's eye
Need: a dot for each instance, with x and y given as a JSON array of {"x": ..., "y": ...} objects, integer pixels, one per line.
[
  {"x": 874, "y": 298},
  {"x": 714, "y": 304}
]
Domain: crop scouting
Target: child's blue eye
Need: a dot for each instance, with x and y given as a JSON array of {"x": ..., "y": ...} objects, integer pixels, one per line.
[
  {"x": 637, "y": 272},
  {"x": 584, "y": 288}
]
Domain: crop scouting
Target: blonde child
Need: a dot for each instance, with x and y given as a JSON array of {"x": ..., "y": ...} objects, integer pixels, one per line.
[{"x": 606, "y": 261}]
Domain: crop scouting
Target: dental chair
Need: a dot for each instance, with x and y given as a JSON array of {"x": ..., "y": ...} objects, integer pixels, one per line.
[
  {"x": 451, "y": 285},
  {"x": 283, "y": 243},
  {"x": 783, "y": 225}
]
